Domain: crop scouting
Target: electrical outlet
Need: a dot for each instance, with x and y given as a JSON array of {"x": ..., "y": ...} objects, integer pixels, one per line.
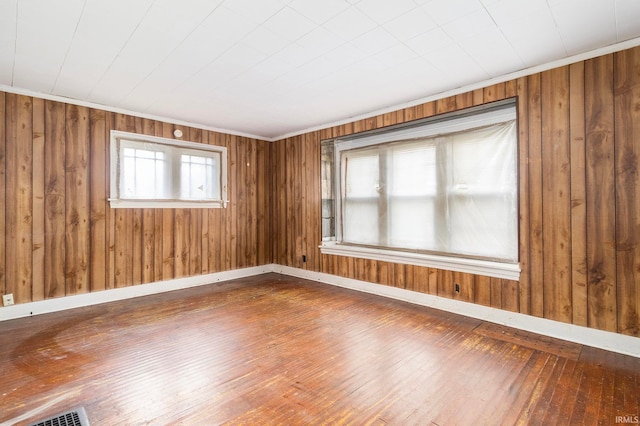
[{"x": 7, "y": 299}]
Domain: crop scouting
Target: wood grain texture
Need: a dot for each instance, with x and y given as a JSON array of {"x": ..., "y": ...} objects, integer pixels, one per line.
[
  {"x": 37, "y": 268},
  {"x": 535, "y": 250},
  {"x": 77, "y": 210},
  {"x": 556, "y": 195},
  {"x": 601, "y": 215},
  {"x": 578, "y": 195},
  {"x": 627, "y": 184},
  {"x": 280, "y": 350}
]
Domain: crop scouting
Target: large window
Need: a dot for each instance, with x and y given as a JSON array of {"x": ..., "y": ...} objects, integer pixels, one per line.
[
  {"x": 148, "y": 171},
  {"x": 444, "y": 190}
]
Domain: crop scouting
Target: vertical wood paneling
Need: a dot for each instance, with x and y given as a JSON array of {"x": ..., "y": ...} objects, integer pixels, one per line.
[
  {"x": 556, "y": 193},
  {"x": 19, "y": 186},
  {"x": 37, "y": 283},
  {"x": 535, "y": 206},
  {"x": 627, "y": 168},
  {"x": 601, "y": 215},
  {"x": 232, "y": 213},
  {"x": 578, "y": 195},
  {"x": 54, "y": 199},
  {"x": 98, "y": 190},
  {"x": 524, "y": 233},
  {"x": 77, "y": 200},
  {"x": 10, "y": 236},
  {"x": 483, "y": 290}
]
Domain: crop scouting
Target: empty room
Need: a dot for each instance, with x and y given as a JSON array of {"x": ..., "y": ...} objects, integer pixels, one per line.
[{"x": 306, "y": 212}]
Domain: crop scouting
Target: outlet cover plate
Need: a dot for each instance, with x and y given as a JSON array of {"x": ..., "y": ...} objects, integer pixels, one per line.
[{"x": 7, "y": 299}]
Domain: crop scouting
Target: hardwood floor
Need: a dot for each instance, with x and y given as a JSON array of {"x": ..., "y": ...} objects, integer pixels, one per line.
[{"x": 279, "y": 350}]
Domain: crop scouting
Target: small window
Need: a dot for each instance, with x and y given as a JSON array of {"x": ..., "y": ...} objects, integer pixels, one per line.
[
  {"x": 441, "y": 192},
  {"x": 148, "y": 171}
]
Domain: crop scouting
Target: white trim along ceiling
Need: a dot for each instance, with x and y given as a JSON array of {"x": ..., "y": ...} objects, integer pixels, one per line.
[{"x": 275, "y": 68}]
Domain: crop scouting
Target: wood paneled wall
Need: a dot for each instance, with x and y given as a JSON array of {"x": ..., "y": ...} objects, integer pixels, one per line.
[
  {"x": 579, "y": 146},
  {"x": 58, "y": 235}
]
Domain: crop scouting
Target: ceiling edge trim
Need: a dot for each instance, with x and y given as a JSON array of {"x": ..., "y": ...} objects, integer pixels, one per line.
[{"x": 617, "y": 47}]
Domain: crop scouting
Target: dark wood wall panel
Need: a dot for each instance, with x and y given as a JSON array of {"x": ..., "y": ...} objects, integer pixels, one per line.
[
  {"x": 58, "y": 234},
  {"x": 579, "y": 144},
  {"x": 627, "y": 184}
]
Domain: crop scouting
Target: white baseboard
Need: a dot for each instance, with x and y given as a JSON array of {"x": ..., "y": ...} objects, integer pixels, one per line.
[
  {"x": 609, "y": 341},
  {"x": 79, "y": 300},
  {"x": 614, "y": 342}
]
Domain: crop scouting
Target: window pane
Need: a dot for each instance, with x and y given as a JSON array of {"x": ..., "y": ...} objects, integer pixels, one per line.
[
  {"x": 412, "y": 186},
  {"x": 482, "y": 197},
  {"x": 199, "y": 177},
  {"x": 361, "y": 188},
  {"x": 143, "y": 173}
]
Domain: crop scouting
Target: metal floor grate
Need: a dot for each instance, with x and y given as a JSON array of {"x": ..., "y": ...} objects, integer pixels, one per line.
[{"x": 76, "y": 417}]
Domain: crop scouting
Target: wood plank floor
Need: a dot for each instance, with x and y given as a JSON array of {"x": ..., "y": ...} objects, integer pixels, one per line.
[{"x": 278, "y": 350}]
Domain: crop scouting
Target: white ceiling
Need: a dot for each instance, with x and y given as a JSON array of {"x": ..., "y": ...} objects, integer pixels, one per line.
[{"x": 276, "y": 67}]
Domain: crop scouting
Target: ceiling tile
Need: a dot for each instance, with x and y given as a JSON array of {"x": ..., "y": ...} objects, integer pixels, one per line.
[
  {"x": 490, "y": 49},
  {"x": 445, "y": 11},
  {"x": 506, "y": 11},
  {"x": 295, "y": 55},
  {"x": 319, "y": 11},
  {"x": 410, "y": 25},
  {"x": 266, "y": 41},
  {"x": 374, "y": 41},
  {"x": 469, "y": 25},
  {"x": 382, "y": 11},
  {"x": 290, "y": 24},
  {"x": 255, "y": 11},
  {"x": 350, "y": 24},
  {"x": 430, "y": 41},
  {"x": 319, "y": 41},
  {"x": 535, "y": 38}
]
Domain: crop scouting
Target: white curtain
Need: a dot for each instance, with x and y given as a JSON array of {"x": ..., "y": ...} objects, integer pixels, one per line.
[{"x": 454, "y": 193}]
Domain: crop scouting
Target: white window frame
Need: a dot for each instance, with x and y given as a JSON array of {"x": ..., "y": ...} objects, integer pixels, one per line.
[
  {"x": 459, "y": 121},
  {"x": 120, "y": 139}
]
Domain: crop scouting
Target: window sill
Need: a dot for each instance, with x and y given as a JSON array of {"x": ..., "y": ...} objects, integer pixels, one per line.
[
  {"x": 507, "y": 271},
  {"x": 169, "y": 204}
]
